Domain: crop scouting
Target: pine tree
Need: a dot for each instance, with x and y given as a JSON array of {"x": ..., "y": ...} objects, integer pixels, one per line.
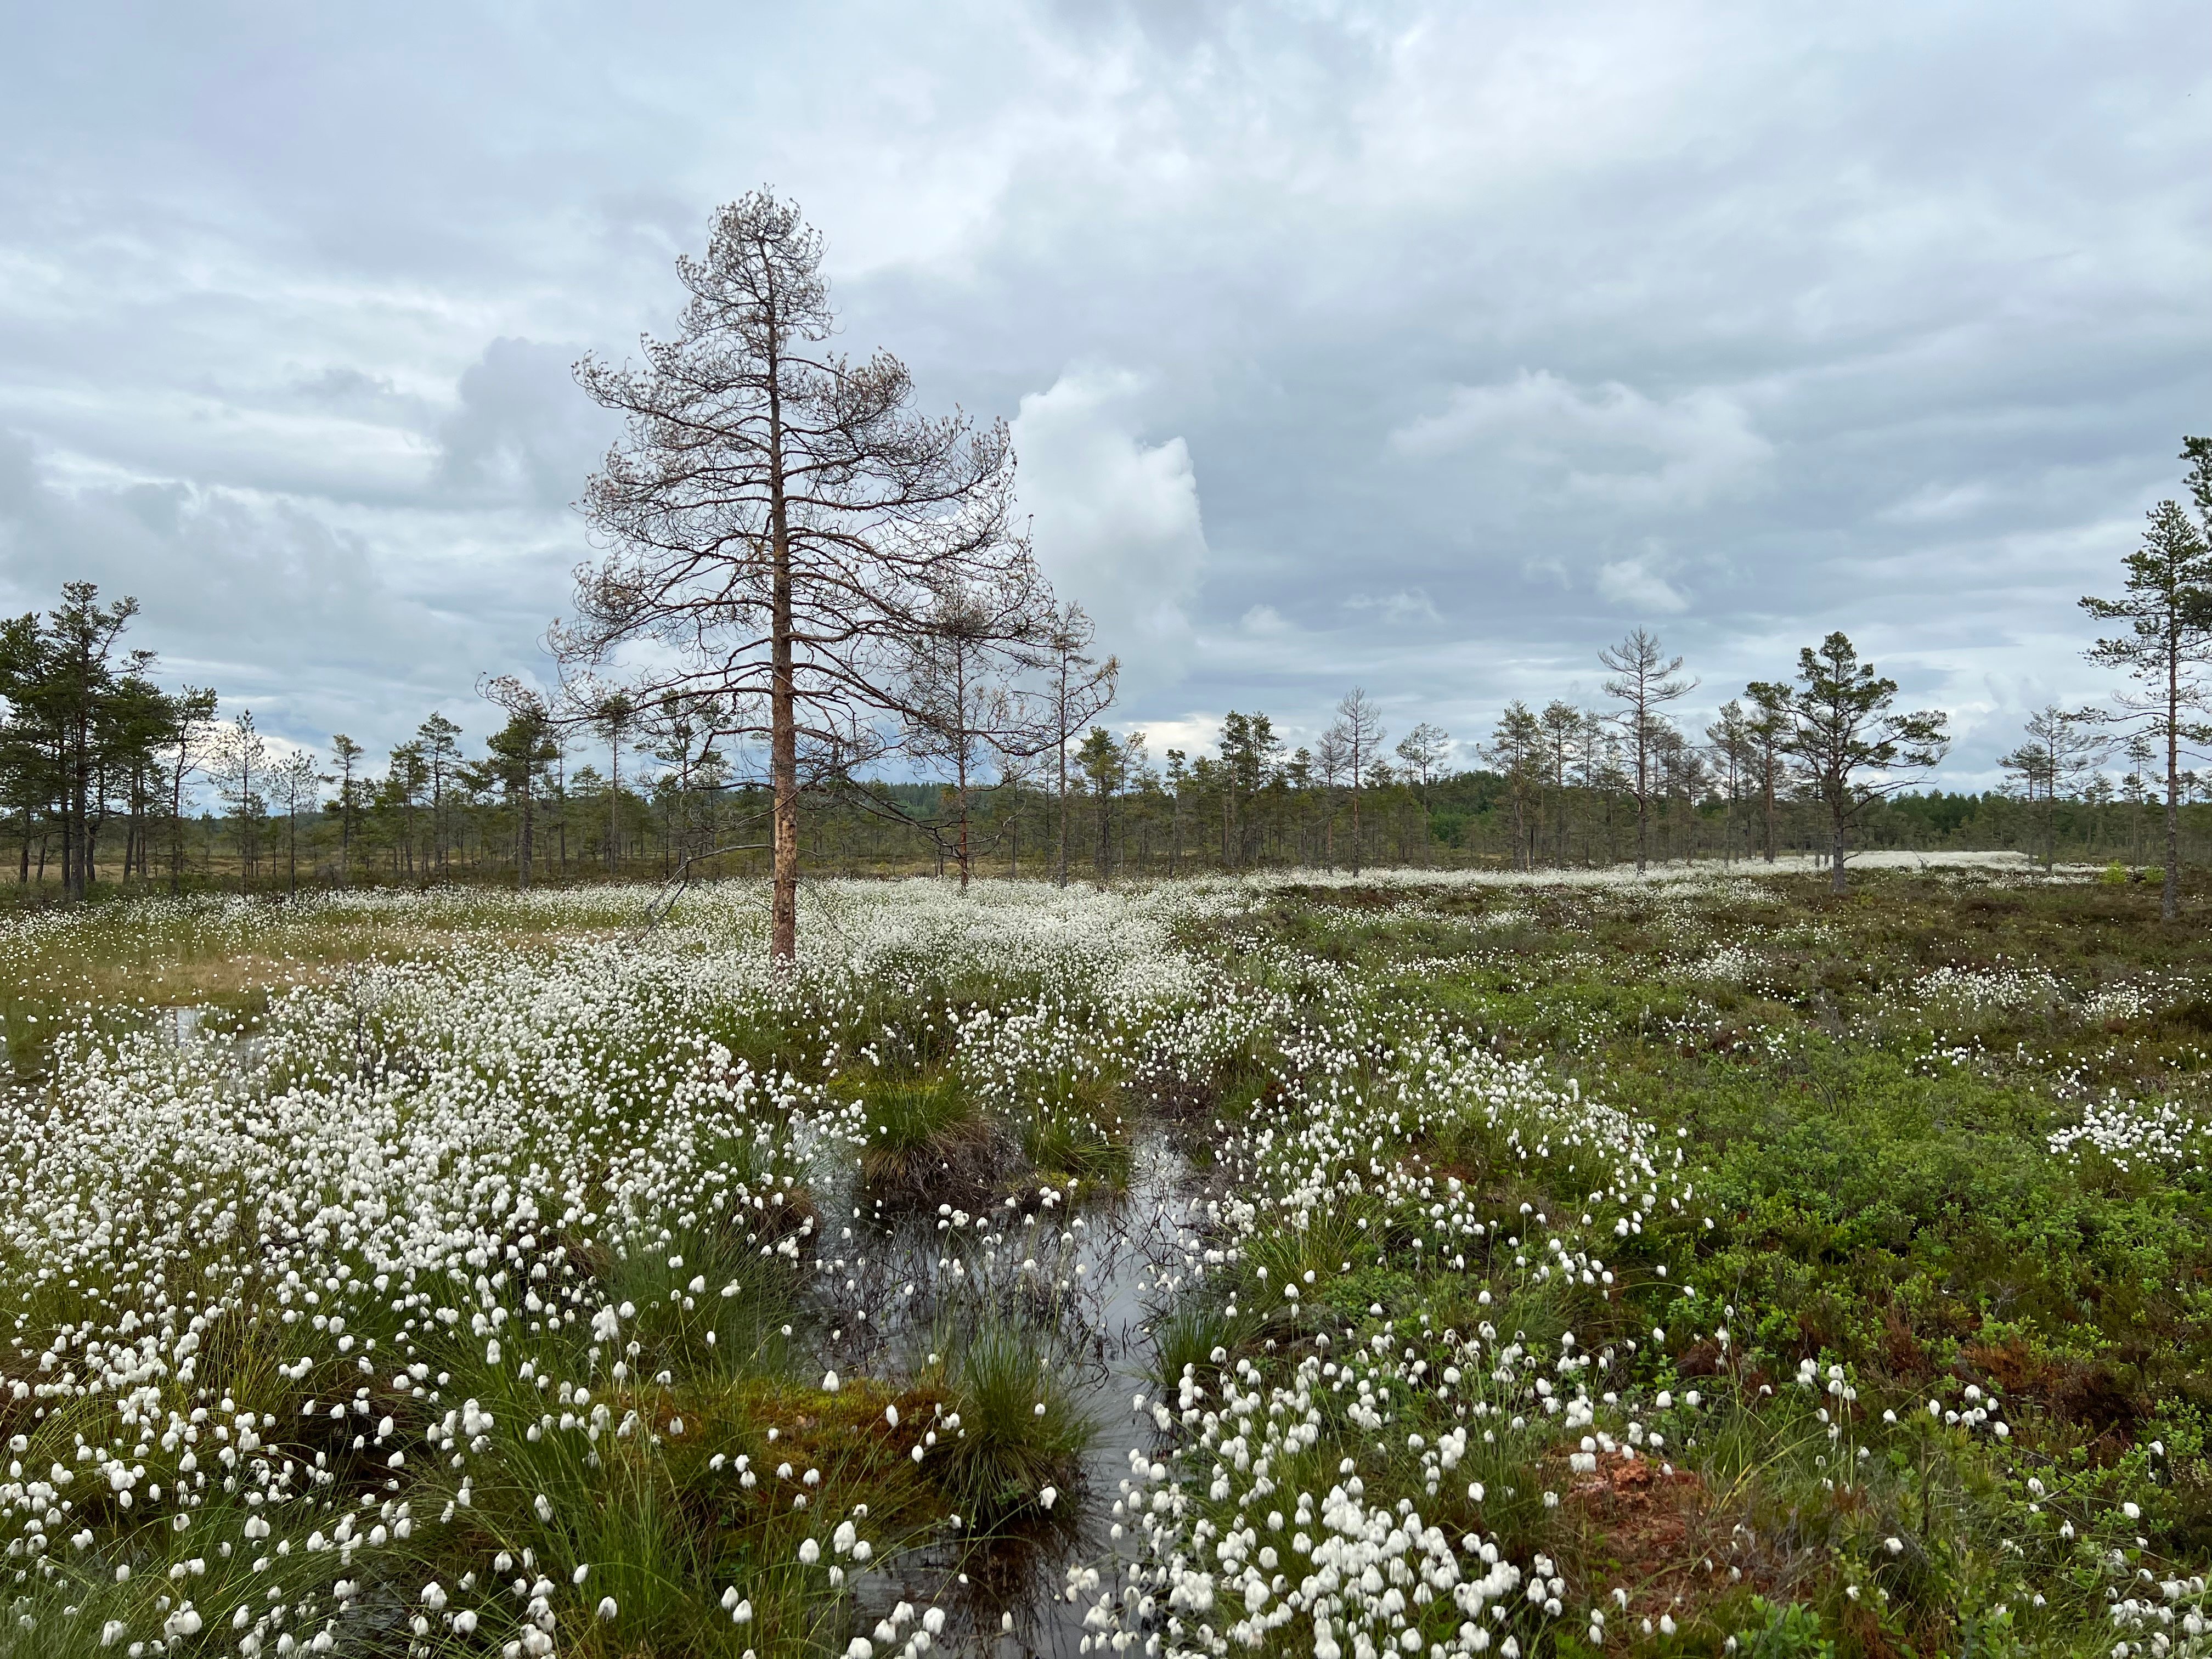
[
  {"x": 1644, "y": 680},
  {"x": 1853, "y": 749},
  {"x": 347, "y": 755},
  {"x": 2167, "y": 611}
]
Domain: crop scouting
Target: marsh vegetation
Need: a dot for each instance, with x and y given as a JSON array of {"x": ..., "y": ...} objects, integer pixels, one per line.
[{"x": 1437, "y": 1263}]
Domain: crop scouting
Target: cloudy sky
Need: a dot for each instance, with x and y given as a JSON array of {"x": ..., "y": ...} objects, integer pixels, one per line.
[{"x": 1424, "y": 347}]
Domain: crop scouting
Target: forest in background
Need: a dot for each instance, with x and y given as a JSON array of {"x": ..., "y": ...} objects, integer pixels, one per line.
[
  {"x": 818, "y": 634},
  {"x": 153, "y": 791}
]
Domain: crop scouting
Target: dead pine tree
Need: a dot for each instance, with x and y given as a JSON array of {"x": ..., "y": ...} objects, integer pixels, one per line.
[
  {"x": 1562, "y": 734},
  {"x": 2062, "y": 751},
  {"x": 612, "y": 717},
  {"x": 189, "y": 743},
  {"x": 1644, "y": 680},
  {"x": 241, "y": 756},
  {"x": 1734, "y": 751},
  {"x": 1425, "y": 750},
  {"x": 959, "y": 710},
  {"x": 1358, "y": 733},
  {"x": 1331, "y": 755},
  {"x": 1514, "y": 752},
  {"x": 1078, "y": 689},
  {"x": 778, "y": 520}
]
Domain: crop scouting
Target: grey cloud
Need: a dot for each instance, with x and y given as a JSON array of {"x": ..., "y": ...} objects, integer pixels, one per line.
[
  {"x": 1407, "y": 606},
  {"x": 522, "y": 430},
  {"x": 353, "y": 392},
  {"x": 1885, "y": 318},
  {"x": 1636, "y": 584},
  {"x": 1610, "y": 442},
  {"x": 309, "y": 623}
]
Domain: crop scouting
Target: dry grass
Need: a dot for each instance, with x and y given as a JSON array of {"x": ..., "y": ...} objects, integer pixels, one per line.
[{"x": 180, "y": 967}]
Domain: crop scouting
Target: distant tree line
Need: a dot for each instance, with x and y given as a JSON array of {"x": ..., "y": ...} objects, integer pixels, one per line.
[{"x": 171, "y": 797}]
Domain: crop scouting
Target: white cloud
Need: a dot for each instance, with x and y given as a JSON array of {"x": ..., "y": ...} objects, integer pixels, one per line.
[
  {"x": 1633, "y": 585},
  {"x": 1407, "y": 605},
  {"x": 1611, "y": 443},
  {"x": 1117, "y": 526},
  {"x": 1265, "y": 621},
  {"x": 277, "y": 604},
  {"x": 1936, "y": 503},
  {"x": 1194, "y": 734}
]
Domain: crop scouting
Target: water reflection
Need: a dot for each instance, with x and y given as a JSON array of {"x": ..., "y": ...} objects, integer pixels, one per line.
[{"x": 1084, "y": 1282}]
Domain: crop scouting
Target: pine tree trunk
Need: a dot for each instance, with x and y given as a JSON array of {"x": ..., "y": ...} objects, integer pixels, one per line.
[
  {"x": 1062, "y": 875},
  {"x": 2169, "y": 897}
]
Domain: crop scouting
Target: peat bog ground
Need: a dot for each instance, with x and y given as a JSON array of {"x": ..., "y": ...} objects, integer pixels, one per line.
[{"x": 1414, "y": 1264}]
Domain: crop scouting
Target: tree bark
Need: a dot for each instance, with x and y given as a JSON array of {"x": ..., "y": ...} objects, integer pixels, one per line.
[
  {"x": 177, "y": 826},
  {"x": 1766, "y": 789},
  {"x": 783, "y": 713},
  {"x": 1643, "y": 791},
  {"x": 1105, "y": 829},
  {"x": 1062, "y": 715},
  {"x": 1358, "y": 843},
  {"x": 522, "y": 834},
  {"x": 961, "y": 785}
]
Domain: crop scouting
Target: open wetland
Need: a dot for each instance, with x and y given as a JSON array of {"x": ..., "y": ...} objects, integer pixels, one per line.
[{"x": 1416, "y": 1265}]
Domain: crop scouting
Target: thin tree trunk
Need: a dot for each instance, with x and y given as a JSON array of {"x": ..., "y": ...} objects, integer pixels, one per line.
[
  {"x": 961, "y": 784},
  {"x": 72, "y": 820},
  {"x": 2169, "y": 898},
  {"x": 245, "y": 819},
  {"x": 2171, "y": 890},
  {"x": 1766, "y": 789},
  {"x": 1063, "y": 775},
  {"x": 522, "y": 840},
  {"x": 783, "y": 736}
]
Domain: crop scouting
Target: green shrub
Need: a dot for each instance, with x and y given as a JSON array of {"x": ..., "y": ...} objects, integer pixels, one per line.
[{"x": 1788, "y": 1632}]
